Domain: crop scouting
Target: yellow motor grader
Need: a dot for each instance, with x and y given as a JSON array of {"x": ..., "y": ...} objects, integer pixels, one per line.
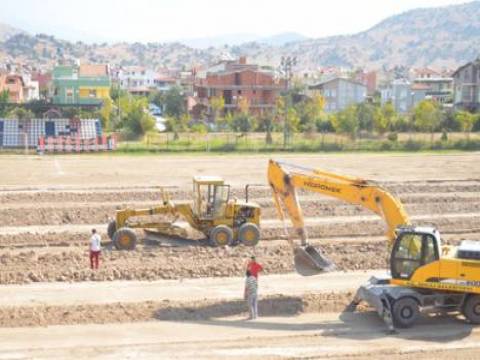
[{"x": 223, "y": 220}]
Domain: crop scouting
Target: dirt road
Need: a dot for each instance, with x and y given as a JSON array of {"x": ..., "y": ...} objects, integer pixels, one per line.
[
  {"x": 310, "y": 336},
  {"x": 106, "y": 170},
  {"x": 177, "y": 290},
  {"x": 169, "y": 332}
]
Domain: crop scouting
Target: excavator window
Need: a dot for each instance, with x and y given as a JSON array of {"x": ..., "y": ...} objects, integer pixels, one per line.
[{"x": 412, "y": 250}]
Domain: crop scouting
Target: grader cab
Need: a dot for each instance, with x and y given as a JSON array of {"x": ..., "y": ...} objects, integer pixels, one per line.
[{"x": 222, "y": 219}]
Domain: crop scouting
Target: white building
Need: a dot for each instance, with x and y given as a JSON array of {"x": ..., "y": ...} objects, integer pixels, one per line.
[{"x": 137, "y": 80}]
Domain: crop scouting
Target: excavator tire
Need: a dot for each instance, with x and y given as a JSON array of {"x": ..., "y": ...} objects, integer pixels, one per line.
[
  {"x": 249, "y": 234},
  {"x": 221, "y": 235},
  {"x": 111, "y": 229},
  {"x": 405, "y": 312},
  {"x": 125, "y": 239},
  {"x": 471, "y": 309}
]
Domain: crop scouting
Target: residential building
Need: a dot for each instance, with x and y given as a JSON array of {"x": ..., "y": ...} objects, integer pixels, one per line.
[
  {"x": 238, "y": 81},
  {"x": 164, "y": 82},
  {"x": 86, "y": 84},
  {"x": 467, "y": 86},
  {"x": 15, "y": 86},
  {"x": 438, "y": 86},
  {"x": 31, "y": 87},
  {"x": 369, "y": 79},
  {"x": 44, "y": 83},
  {"x": 137, "y": 80},
  {"x": 403, "y": 95},
  {"x": 339, "y": 93}
]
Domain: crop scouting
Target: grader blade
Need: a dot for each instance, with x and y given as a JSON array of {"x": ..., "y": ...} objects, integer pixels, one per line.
[{"x": 309, "y": 261}]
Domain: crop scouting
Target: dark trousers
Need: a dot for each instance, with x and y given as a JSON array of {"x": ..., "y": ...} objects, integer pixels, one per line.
[{"x": 94, "y": 259}]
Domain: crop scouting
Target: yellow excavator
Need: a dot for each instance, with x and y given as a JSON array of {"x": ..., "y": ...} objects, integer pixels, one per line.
[{"x": 424, "y": 274}]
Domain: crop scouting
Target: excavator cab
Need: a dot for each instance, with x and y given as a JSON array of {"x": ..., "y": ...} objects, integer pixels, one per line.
[{"x": 412, "y": 249}]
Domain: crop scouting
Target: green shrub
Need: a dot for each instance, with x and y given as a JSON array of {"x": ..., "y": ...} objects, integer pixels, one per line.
[
  {"x": 393, "y": 136},
  {"x": 412, "y": 145},
  {"x": 386, "y": 145},
  {"x": 444, "y": 135}
]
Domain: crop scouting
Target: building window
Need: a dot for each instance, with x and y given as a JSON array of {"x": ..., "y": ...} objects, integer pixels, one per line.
[
  {"x": 55, "y": 91},
  {"x": 239, "y": 92},
  {"x": 69, "y": 92},
  {"x": 333, "y": 93},
  {"x": 92, "y": 93}
]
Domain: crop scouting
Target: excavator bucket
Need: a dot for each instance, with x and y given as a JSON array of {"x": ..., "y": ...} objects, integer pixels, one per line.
[{"x": 309, "y": 261}]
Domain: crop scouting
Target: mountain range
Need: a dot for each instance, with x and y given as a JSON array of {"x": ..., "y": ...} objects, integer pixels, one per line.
[{"x": 439, "y": 37}]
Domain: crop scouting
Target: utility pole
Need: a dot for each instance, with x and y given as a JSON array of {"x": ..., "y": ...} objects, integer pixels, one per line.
[{"x": 287, "y": 64}]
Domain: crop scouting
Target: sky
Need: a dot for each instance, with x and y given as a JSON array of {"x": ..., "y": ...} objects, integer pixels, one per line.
[{"x": 170, "y": 20}]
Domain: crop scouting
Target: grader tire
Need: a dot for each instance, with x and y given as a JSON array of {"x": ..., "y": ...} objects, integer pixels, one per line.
[
  {"x": 111, "y": 229},
  {"x": 221, "y": 235},
  {"x": 249, "y": 234},
  {"x": 125, "y": 239}
]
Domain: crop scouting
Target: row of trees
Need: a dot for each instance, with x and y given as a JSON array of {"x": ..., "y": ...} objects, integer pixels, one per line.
[
  {"x": 293, "y": 112},
  {"x": 299, "y": 113}
]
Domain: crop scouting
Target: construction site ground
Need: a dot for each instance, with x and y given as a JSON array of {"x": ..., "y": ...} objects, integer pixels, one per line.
[{"x": 173, "y": 298}]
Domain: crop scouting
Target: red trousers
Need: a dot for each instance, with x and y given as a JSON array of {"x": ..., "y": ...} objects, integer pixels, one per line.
[{"x": 94, "y": 259}]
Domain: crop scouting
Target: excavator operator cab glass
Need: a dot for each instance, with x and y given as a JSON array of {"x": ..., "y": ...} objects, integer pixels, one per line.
[
  {"x": 412, "y": 250},
  {"x": 210, "y": 197}
]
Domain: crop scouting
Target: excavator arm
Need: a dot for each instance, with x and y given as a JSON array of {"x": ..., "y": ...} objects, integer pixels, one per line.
[{"x": 285, "y": 179}]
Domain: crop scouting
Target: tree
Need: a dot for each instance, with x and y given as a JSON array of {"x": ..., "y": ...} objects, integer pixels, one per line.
[
  {"x": 21, "y": 114},
  {"x": 390, "y": 115},
  {"x": 135, "y": 117},
  {"x": 174, "y": 102},
  {"x": 106, "y": 113},
  {"x": 178, "y": 124},
  {"x": 366, "y": 117},
  {"x": 4, "y": 98},
  {"x": 265, "y": 123},
  {"x": 242, "y": 122},
  {"x": 346, "y": 122},
  {"x": 466, "y": 121},
  {"x": 384, "y": 117},
  {"x": 427, "y": 116},
  {"x": 310, "y": 111},
  {"x": 217, "y": 103}
]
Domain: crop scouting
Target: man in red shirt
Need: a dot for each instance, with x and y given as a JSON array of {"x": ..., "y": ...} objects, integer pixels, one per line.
[{"x": 254, "y": 267}]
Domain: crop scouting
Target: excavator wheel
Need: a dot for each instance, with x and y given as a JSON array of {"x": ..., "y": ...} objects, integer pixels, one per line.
[
  {"x": 405, "y": 312},
  {"x": 249, "y": 234},
  {"x": 111, "y": 229},
  {"x": 221, "y": 235},
  {"x": 125, "y": 239},
  {"x": 471, "y": 309}
]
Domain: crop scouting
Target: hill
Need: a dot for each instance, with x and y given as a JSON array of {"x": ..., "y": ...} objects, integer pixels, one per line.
[{"x": 446, "y": 36}]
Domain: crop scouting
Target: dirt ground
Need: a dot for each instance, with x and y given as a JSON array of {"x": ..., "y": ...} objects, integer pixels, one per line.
[{"x": 49, "y": 204}]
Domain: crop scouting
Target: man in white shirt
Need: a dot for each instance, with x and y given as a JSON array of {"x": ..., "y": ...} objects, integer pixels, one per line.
[{"x": 95, "y": 248}]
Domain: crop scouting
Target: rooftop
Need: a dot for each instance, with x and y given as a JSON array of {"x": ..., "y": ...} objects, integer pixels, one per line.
[{"x": 93, "y": 70}]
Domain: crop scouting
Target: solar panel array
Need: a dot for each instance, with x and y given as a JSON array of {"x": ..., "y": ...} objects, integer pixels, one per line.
[{"x": 16, "y": 133}]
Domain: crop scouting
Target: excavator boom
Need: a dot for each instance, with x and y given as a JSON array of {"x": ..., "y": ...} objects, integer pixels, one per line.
[{"x": 285, "y": 179}]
